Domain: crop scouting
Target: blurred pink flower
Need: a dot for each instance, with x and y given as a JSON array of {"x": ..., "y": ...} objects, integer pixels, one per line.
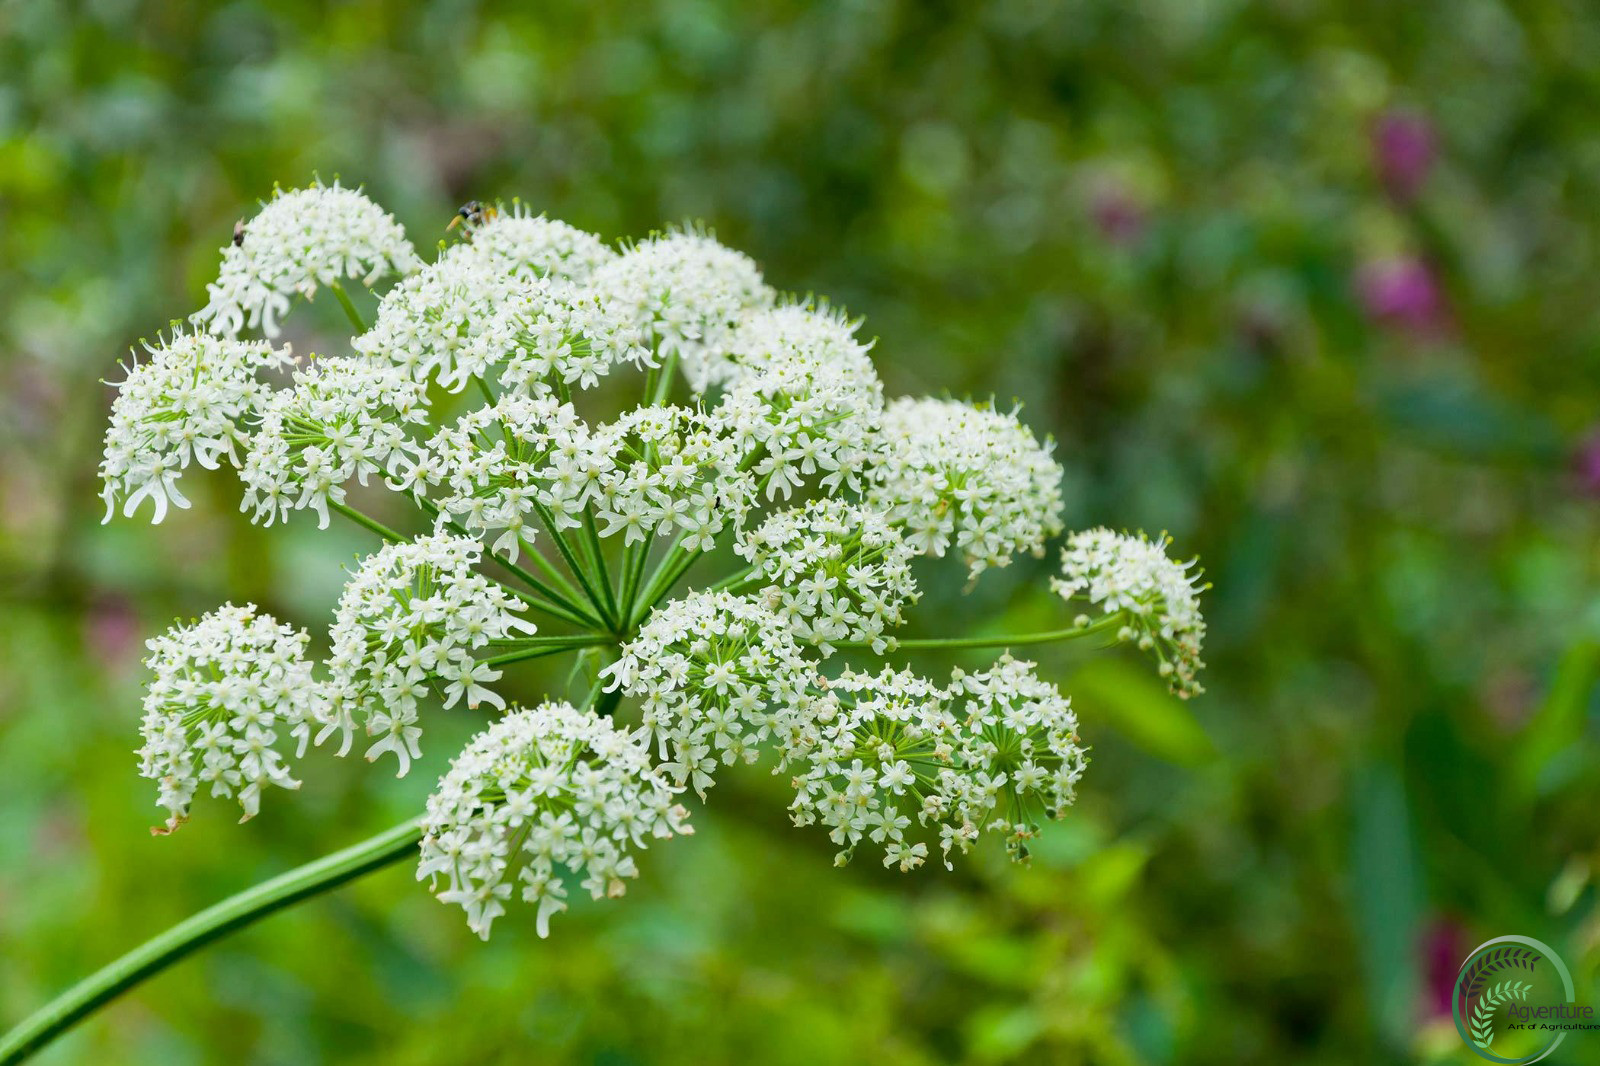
[
  {"x": 1403, "y": 150},
  {"x": 1402, "y": 291},
  {"x": 1444, "y": 946},
  {"x": 111, "y": 631},
  {"x": 1117, "y": 215},
  {"x": 1586, "y": 463}
]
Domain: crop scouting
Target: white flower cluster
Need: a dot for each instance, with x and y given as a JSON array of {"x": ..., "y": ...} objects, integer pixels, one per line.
[
  {"x": 1158, "y": 598},
  {"x": 223, "y": 688},
  {"x": 813, "y": 331},
  {"x": 951, "y": 473},
  {"x": 838, "y": 572},
  {"x": 669, "y": 470},
  {"x": 538, "y": 791},
  {"x": 552, "y": 334},
  {"x": 468, "y": 396},
  {"x": 187, "y": 403},
  {"x": 688, "y": 294},
  {"x": 710, "y": 671},
  {"x": 497, "y": 464},
  {"x": 887, "y": 757},
  {"x": 804, "y": 393},
  {"x": 431, "y": 325},
  {"x": 343, "y": 418},
  {"x": 514, "y": 296},
  {"x": 302, "y": 241},
  {"x": 414, "y": 618},
  {"x": 522, "y": 244}
]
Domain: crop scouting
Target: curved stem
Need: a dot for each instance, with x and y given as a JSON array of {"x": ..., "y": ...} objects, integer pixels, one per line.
[
  {"x": 554, "y": 603},
  {"x": 737, "y": 579},
  {"x": 195, "y": 932},
  {"x": 577, "y": 568},
  {"x": 364, "y": 520},
  {"x": 349, "y": 308},
  {"x": 1010, "y": 641},
  {"x": 539, "y": 647}
]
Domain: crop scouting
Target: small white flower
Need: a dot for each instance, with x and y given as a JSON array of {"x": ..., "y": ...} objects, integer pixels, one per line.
[
  {"x": 838, "y": 572},
  {"x": 889, "y": 757},
  {"x": 952, "y": 473},
  {"x": 302, "y": 241},
  {"x": 415, "y": 617},
  {"x": 539, "y": 792},
  {"x": 1158, "y": 598},
  {"x": 223, "y": 688},
  {"x": 710, "y": 671},
  {"x": 187, "y": 403},
  {"x": 688, "y": 294},
  {"x": 519, "y": 243}
]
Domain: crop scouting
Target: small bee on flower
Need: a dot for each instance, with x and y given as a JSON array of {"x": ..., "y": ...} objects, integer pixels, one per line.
[{"x": 473, "y": 214}]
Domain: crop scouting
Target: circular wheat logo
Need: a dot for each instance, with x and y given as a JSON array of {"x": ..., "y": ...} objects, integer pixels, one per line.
[{"x": 1514, "y": 1001}]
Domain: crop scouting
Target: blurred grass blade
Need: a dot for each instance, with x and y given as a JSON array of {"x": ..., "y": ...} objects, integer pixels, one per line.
[
  {"x": 1137, "y": 705},
  {"x": 1559, "y": 722}
]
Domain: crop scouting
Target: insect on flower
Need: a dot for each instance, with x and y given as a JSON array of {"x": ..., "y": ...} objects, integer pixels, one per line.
[{"x": 472, "y": 214}]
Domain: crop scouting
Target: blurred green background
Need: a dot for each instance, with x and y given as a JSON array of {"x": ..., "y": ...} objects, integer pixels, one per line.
[{"x": 1310, "y": 285}]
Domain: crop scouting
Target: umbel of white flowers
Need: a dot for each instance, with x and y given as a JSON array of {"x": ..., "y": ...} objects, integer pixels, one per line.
[{"x": 761, "y": 441}]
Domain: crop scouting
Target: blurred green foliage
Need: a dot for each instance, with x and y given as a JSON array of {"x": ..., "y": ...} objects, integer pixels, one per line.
[{"x": 1312, "y": 285}]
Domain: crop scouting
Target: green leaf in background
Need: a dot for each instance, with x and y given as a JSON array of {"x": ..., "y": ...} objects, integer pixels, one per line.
[
  {"x": 1386, "y": 887},
  {"x": 1559, "y": 722},
  {"x": 1129, "y": 699}
]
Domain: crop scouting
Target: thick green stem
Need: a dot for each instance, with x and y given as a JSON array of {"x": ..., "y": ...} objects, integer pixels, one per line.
[
  {"x": 539, "y": 647},
  {"x": 371, "y": 523},
  {"x": 1010, "y": 641},
  {"x": 577, "y": 568},
  {"x": 634, "y": 559},
  {"x": 555, "y": 602},
  {"x": 195, "y": 932},
  {"x": 597, "y": 555},
  {"x": 349, "y": 308},
  {"x": 663, "y": 383}
]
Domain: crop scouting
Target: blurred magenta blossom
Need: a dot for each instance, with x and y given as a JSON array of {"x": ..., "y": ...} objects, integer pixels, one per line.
[
  {"x": 1402, "y": 291},
  {"x": 1586, "y": 462},
  {"x": 1403, "y": 148},
  {"x": 1117, "y": 214},
  {"x": 1444, "y": 944}
]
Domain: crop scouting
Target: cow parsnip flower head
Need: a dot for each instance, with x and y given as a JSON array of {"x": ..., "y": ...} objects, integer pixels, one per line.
[
  {"x": 186, "y": 403},
  {"x": 526, "y": 513},
  {"x": 540, "y": 792},
  {"x": 710, "y": 671},
  {"x": 300, "y": 242},
  {"x": 413, "y": 621},
  {"x": 343, "y": 419},
  {"x": 891, "y": 758},
  {"x": 522, "y": 244},
  {"x": 689, "y": 294},
  {"x": 838, "y": 572},
  {"x": 970, "y": 477},
  {"x": 229, "y": 690},
  {"x": 1131, "y": 578}
]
